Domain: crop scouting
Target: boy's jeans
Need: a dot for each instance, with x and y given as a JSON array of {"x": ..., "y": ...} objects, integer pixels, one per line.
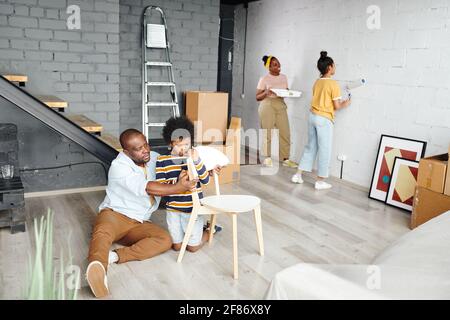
[
  {"x": 320, "y": 137},
  {"x": 177, "y": 223}
]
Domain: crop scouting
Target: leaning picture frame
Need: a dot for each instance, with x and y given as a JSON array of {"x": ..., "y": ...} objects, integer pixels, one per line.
[
  {"x": 402, "y": 184},
  {"x": 389, "y": 148}
]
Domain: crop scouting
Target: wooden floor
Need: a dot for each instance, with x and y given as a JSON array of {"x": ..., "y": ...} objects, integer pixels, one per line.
[{"x": 300, "y": 224}]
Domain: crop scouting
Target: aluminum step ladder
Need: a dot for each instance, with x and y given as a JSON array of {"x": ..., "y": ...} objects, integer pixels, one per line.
[{"x": 154, "y": 40}]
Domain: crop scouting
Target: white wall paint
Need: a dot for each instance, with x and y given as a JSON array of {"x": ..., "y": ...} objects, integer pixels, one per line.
[{"x": 406, "y": 64}]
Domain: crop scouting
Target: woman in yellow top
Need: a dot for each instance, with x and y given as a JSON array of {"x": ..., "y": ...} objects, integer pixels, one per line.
[
  {"x": 326, "y": 99},
  {"x": 272, "y": 112}
]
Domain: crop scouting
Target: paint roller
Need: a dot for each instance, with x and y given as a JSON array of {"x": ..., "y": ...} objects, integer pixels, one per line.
[{"x": 353, "y": 85}]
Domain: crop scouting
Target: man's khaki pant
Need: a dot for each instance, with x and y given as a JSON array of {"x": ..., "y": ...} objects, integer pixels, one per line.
[
  {"x": 273, "y": 115},
  {"x": 141, "y": 240}
]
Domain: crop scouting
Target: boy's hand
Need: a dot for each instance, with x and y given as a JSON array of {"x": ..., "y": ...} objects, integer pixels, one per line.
[
  {"x": 216, "y": 170},
  {"x": 193, "y": 153}
]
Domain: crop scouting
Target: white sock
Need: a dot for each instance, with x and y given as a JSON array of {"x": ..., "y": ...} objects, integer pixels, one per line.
[{"x": 113, "y": 257}]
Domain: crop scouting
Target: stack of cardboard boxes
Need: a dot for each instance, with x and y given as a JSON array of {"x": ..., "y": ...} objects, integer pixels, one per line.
[
  {"x": 432, "y": 196},
  {"x": 209, "y": 112}
]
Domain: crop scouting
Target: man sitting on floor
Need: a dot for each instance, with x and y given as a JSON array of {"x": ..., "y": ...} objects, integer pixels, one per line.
[{"x": 132, "y": 196}]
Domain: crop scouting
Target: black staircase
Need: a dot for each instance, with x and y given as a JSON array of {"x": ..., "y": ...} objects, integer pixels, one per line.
[{"x": 22, "y": 99}]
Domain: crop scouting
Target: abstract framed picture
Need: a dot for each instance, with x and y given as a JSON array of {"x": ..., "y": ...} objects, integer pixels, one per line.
[
  {"x": 389, "y": 148},
  {"x": 403, "y": 183}
]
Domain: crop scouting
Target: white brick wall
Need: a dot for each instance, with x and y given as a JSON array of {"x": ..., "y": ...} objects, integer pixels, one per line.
[{"x": 406, "y": 64}]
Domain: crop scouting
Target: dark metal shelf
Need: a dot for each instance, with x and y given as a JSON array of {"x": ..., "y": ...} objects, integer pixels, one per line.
[{"x": 14, "y": 184}]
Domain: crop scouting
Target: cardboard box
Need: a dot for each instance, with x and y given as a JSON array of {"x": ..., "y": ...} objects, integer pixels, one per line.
[
  {"x": 228, "y": 174},
  {"x": 432, "y": 173},
  {"x": 427, "y": 205},
  {"x": 447, "y": 179},
  {"x": 232, "y": 149},
  {"x": 209, "y": 112}
]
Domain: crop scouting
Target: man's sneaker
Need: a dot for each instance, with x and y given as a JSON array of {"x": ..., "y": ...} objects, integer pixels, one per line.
[
  {"x": 322, "y": 185},
  {"x": 297, "y": 178},
  {"x": 96, "y": 278},
  {"x": 267, "y": 162},
  {"x": 290, "y": 164}
]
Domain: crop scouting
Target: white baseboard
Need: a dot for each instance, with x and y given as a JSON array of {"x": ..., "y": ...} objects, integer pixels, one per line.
[
  {"x": 63, "y": 191},
  {"x": 313, "y": 174}
]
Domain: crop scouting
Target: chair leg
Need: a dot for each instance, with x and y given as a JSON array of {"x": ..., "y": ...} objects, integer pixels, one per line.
[
  {"x": 259, "y": 233},
  {"x": 235, "y": 247},
  {"x": 187, "y": 235},
  {"x": 212, "y": 226}
]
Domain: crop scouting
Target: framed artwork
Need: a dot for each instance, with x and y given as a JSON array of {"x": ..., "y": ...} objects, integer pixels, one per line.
[
  {"x": 403, "y": 183},
  {"x": 389, "y": 148}
]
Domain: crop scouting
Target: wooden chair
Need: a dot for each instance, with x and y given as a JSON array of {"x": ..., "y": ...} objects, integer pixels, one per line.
[{"x": 222, "y": 204}]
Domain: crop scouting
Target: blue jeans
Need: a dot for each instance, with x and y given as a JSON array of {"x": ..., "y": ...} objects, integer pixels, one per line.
[{"x": 320, "y": 138}]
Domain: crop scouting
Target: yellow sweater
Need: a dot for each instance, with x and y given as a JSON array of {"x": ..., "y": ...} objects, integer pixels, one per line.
[{"x": 325, "y": 91}]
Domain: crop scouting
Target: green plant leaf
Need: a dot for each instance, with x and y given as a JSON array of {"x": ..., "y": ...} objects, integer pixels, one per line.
[{"x": 42, "y": 281}]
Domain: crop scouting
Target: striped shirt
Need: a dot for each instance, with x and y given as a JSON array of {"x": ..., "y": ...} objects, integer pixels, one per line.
[{"x": 168, "y": 170}]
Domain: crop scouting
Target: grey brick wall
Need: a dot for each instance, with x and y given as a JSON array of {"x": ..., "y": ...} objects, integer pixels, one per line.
[
  {"x": 194, "y": 35},
  {"x": 34, "y": 137},
  {"x": 81, "y": 66},
  {"x": 90, "y": 68}
]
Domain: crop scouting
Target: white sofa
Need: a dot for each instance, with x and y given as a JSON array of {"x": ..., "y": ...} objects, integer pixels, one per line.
[{"x": 416, "y": 266}]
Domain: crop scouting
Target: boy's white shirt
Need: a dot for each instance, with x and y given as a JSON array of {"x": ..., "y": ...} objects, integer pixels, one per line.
[{"x": 126, "y": 190}]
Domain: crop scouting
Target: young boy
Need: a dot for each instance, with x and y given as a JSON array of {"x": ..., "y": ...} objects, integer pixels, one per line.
[{"x": 178, "y": 133}]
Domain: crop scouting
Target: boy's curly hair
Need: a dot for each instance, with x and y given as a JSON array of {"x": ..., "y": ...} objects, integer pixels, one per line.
[{"x": 178, "y": 128}]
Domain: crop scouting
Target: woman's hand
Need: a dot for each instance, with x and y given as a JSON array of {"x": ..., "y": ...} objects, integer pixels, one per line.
[
  {"x": 349, "y": 101},
  {"x": 269, "y": 92},
  {"x": 338, "y": 104},
  {"x": 261, "y": 94}
]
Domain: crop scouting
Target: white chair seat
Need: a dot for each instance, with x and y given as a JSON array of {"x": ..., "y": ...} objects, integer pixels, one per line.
[
  {"x": 219, "y": 204},
  {"x": 231, "y": 203}
]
